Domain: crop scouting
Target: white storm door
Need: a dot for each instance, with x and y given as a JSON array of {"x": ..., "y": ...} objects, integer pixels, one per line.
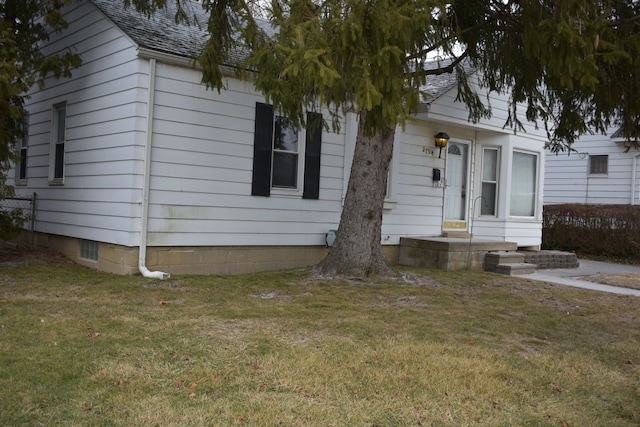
[{"x": 455, "y": 193}]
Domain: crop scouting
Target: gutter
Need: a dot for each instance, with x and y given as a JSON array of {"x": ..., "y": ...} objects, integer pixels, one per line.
[
  {"x": 181, "y": 61},
  {"x": 169, "y": 58},
  {"x": 144, "y": 219}
]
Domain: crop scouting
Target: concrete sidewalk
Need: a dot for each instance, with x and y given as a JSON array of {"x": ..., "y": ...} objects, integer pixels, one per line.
[{"x": 575, "y": 276}]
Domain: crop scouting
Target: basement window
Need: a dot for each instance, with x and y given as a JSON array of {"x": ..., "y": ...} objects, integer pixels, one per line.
[{"x": 89, "y": 250}]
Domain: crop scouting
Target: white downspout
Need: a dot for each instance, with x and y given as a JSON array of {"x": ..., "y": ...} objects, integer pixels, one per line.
[
  {"x": 142, "y": 253},
  {"x": 634, "y": 174}
]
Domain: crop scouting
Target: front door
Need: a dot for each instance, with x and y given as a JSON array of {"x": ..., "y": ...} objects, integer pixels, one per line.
[{"x": 455, "y": 192}]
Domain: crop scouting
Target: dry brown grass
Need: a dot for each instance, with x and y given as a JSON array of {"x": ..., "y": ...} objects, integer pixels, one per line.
[{"x": 434, "y": 349}]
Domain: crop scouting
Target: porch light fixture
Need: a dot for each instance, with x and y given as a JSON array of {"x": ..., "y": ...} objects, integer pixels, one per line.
[{"x": 441, "y": 139}]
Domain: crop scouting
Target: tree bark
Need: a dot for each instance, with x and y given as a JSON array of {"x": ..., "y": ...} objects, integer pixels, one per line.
[{"x": 357, "y": 250}]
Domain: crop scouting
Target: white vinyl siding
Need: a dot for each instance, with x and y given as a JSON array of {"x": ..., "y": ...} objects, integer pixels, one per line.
[
  {"x": 569, "y": 177},
  {"x": 201, "y": 178},
  {"x": 449, "y": 114},
  {"x": 103, "y": 134}
]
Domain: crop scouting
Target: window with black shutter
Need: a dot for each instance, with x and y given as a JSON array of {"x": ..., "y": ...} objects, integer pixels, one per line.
[
  {"x": 23, "y": 143},
  {"x": 286, "y": 160}
]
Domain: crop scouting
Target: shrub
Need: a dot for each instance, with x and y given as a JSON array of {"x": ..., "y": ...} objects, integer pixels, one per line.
[{"x": 601, "y": 230}]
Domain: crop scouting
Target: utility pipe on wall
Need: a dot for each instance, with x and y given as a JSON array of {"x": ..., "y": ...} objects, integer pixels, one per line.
[
  {"x": 144, "y": 219},
  {"x": 634, "y": 174}
]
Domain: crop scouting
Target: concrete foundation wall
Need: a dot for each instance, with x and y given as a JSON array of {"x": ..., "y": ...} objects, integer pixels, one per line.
[{"x": 194, "y": 260}]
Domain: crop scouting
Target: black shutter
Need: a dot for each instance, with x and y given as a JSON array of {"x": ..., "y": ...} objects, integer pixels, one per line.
[
  {"x": 262, "y": 141},
  {"x": 312, "y": 157}
]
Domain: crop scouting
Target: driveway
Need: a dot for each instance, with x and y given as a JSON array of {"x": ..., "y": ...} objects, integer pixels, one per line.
[{"x": 578, "y": 277}]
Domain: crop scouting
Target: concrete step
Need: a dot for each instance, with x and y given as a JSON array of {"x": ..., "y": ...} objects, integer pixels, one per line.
[
  {"x": 514, "y": 268},
  {"x": 492, "y": 259},
  {"x": 551, "y": 259}
]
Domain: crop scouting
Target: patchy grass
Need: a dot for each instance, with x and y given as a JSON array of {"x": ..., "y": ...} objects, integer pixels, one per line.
[{"x": 438, "y": 348}]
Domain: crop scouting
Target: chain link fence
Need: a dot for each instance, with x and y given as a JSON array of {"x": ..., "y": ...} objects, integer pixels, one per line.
[{"x": 23, "y": 208}]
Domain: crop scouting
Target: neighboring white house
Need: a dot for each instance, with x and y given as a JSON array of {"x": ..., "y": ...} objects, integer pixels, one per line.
[
  {"x": 600, "y": 171},
  {"x": 137, "y": 165}
]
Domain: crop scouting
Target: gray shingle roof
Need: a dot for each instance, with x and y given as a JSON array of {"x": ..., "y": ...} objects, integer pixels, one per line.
[
  {"x": 439, "y": 84},
  {"x": 160, "y": 32}
]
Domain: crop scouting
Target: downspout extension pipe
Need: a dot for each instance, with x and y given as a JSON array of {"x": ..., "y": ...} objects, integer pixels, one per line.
[
  {"x": 152, "y": 274},
  {"x": 142, "y": 253}
]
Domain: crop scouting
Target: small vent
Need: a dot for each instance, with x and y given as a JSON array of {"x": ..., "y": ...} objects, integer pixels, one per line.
[{"x": 89, "y": 250}]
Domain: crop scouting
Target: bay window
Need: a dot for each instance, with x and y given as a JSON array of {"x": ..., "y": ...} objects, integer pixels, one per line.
[
  {"x": 524, "y": 178},
  {"x": 489, "y": 181}
]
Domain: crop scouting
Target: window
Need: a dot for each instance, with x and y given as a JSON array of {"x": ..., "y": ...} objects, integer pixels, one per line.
[
  {"x": 524, "y": 176},
  {"x": 489, "y": 181},
  {"x": 598, "y": 165},
  {"x": 278, "y": 151},
  {"x": 21, "y": 166},
  {"x": 58, "y": 135},
  {"x": 88, "y": 250},
  {"x": 285, "y": 154}
]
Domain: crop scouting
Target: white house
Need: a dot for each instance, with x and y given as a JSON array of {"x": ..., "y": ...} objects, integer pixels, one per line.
[
  {"x": 600, "y": 170},
  {"x": 138, "y": 166}
]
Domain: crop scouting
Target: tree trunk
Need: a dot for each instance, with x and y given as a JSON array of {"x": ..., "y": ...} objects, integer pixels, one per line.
[{"x": 357, "y": 250}]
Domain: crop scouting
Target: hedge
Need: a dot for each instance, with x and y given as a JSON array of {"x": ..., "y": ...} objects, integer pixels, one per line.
[{"x": 600, "y": 230}]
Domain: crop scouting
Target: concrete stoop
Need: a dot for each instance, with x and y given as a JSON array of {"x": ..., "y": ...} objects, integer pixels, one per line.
[
  {"x": 448, "y": 253},
  {"x": 510, "y": 263}
]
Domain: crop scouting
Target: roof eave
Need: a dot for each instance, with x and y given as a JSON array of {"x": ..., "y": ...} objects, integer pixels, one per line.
[
  {"x": 165, "y": 57},
  {"x": 179, "y": 60}
]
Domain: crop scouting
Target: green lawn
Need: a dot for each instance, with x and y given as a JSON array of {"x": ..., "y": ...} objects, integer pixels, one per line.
[{"x": 79, "y": 347}]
